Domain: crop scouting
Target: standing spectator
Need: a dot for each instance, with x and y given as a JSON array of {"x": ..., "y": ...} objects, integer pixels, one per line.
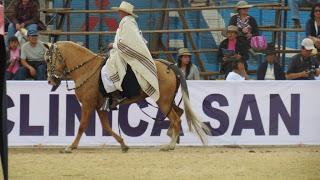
[
  {"x": 238, "y": 72},
  {"x": 25, "y": 15},
  {"x": 303, "y": 66},
  {"x": 190, "y": 70},
  {"x": 1, "y": 18},
  {"x": 14, "y": 57},
  {"x": 294, "y": 8},
  {"x": 313, "y": 26},
  {"x": 247, "y": 24},
  {"x": 231, "y": 49},
  {"x": 32, "y": 59},
  {"x": 270, "y": 70}
]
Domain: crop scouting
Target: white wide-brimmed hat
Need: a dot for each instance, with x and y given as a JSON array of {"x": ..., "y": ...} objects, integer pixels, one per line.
[
  {"x": 243, "y": 5},
  {"x": 126, "y": 7}
]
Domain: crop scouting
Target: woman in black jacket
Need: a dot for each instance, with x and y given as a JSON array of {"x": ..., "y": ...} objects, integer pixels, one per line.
[{"x": 231, "y": 49}]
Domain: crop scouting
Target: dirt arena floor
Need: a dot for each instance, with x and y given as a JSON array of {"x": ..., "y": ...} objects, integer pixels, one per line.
[{"x": 150, "y": 163}]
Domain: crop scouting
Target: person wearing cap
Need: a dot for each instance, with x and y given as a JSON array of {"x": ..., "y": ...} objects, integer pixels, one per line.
[
  {"x": 190, "y": 70},
  {"x": 25, "y": 15},
  {"x": 270, "y": 69},
  {"x": 32, "y": 59},
  {"x": 238, "y": 72},
  {"x": 304, "y": 66},
  {"x": 128, "y": 51},
  {"x": 231, "y": 49},
  {"x": 247, "y": 24}
]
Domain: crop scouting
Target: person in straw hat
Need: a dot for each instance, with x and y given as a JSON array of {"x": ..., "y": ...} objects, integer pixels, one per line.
[
  {"x": 190, "y": 70},
  {"x": 270, "y": 69},
  {"x": 128, "y": 51},
  {"x": 247, "y": 24},
  {"x": 231, "y": 49}
]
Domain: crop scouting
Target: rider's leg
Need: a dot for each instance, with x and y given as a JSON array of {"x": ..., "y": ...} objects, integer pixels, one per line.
[{"x": 113, "y": 96}]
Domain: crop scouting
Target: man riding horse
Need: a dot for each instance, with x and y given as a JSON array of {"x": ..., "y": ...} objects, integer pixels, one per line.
[{"x": 129, "y": 50}]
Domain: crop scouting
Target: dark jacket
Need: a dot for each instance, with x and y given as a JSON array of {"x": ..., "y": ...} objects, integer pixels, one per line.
[
  {"x": 311, "y": 30},
  {"x": 252, "y": 23},
  {"x": 278, "y": 71},
  {"x": 241, "y": 49},
  {"x": 27, "y": 15}
]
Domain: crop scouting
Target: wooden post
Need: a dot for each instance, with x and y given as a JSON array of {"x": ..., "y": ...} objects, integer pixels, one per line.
[{"x": 156, "y": 38}]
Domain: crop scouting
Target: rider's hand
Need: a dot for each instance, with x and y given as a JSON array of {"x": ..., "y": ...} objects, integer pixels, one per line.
[{"x": 110, "y": 45}]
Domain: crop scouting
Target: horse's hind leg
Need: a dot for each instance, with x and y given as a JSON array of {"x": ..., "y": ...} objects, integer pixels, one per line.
[
  {"x": 105, "y": 124},
  {"x": 174, "y": 130},
  {"x": 84, "y": 121}
]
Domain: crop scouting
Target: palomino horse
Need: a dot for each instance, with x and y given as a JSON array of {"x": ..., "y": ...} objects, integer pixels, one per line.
[{"x": 69, "y": 60}]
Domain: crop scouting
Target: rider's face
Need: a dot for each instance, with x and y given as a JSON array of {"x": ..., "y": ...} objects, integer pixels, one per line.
[{"x": 122, "y": 14}]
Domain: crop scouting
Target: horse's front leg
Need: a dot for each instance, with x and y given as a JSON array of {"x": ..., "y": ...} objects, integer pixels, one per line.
[
  {"x": 84, "y": 121},
  {"x": 105, "y": 124}
]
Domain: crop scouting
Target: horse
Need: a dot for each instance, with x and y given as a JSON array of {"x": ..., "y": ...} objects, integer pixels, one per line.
[{"x": 68, "y": 60}]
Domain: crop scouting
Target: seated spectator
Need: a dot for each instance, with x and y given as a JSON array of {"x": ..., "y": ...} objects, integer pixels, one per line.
[
  {"x": 13, "y": 58},
  {"x": 231, "y": 49},
  {"x": 313, "y": 26},
  {"x": 294, "y": 8},
  {"x": 303, "y": 66},
  {"x": 247, "y": 24},
  {"x": 32, "y": 59},
  {"x": 270, "y": 70},
  {"x": 187, "y": 67},
  {"x": 238, "y": 73},
  {"x": 25, "y": 15}
]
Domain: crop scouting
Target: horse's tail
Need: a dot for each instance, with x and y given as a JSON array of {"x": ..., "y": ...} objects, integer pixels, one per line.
[{"x": 194, "y": 122}]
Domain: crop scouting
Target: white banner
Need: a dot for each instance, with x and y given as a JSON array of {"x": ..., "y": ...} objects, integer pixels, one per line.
[{"x": 244, "y": 113}]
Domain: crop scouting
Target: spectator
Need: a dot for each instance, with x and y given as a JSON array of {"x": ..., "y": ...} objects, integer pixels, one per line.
[
  {"x": 32, "y": 59},
  {"x": 294, "y": 8},
  {"x": 231, "y": 49},
  {"x": 190, "y": 70},
  {"x": 14, "y": 57},
  {"x": 270, "y": 70},
  {"x": 2, "y": 18},
  {"x": 247, "y": 24},
  {"x": 25, "y": 15},
  {"x": 313, "y": 26},
  {"x": 303, "y": 66},
  {"x": 239, "y": 72}
]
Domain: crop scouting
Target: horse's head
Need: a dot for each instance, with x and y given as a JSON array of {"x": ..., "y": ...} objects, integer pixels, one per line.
[{"x": 56, "y": 66}]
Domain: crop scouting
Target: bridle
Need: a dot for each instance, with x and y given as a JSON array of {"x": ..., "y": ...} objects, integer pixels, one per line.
[{"x": 53, "y": 55}]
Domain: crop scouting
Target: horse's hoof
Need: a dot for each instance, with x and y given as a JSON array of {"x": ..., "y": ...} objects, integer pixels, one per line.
[
  {"x": 172, "y": 148},
  {"x": 124, "y": 149},
  {"x": 66, "y": 150},
  {"x": 165, "y": 148}
]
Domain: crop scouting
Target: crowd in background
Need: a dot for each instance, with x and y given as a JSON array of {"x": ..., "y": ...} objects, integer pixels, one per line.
[{"x": 26, "y": 61}]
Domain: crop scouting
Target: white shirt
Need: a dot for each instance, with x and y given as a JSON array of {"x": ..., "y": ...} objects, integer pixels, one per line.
[
  {"x": 232, "y": 76},
  {"x": 270, "y": 72}
]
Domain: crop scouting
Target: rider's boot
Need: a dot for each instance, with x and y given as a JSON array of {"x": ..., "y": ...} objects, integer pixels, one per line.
[{"x": 112, "y": 100}]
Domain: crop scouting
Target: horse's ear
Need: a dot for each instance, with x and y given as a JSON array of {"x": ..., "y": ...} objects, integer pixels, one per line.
[{"x": 47, "y": 45}]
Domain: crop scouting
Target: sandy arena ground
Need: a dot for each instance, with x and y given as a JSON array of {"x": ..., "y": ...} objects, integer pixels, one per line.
[{"x": 150, "y": 163}]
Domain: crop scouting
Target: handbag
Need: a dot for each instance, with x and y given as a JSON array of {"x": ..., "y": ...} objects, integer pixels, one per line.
[{"x": 258, "y": 43}]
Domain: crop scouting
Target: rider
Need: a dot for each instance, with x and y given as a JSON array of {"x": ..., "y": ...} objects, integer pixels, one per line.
[{"x": 129, "y": 48}]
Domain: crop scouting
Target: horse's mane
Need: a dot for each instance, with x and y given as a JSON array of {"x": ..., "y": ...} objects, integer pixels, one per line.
[{"x": 66, "y": 44}]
